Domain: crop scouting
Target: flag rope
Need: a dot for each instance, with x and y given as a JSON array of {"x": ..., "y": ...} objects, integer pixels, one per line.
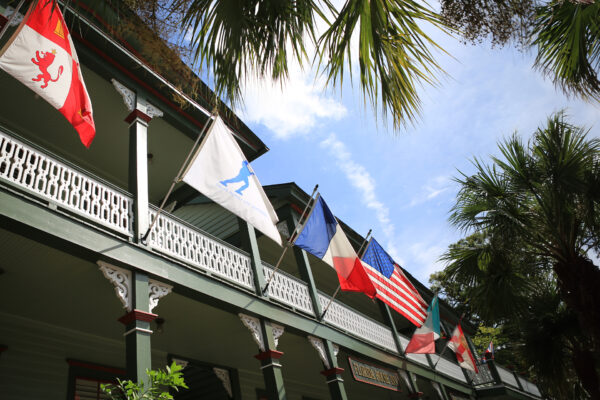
[
  {"x": 177, "y": 178},
  {"x": 12, "y": 18},
  {"x": 290, "y": 242},
  {"x": 366, "y": 241}
]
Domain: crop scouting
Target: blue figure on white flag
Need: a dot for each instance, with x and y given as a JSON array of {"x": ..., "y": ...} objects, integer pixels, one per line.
[{"x": 242, "y": 176}]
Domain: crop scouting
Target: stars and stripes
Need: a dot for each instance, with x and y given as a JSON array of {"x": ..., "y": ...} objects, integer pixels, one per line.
[{"x": 393, "y": 287}]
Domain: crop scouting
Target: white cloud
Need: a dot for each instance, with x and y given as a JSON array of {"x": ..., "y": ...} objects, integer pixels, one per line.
[
  {"x": 434, "y": 188},
  {"x": 362, "y": 180},
  {"x": 291, "y": 108}
]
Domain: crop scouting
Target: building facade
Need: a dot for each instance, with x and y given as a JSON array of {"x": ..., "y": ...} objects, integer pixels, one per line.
[{"x": 84, "y": 299}]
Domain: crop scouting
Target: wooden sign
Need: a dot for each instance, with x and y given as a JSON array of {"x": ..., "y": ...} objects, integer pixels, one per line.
[{"x": 374, "y": 374}]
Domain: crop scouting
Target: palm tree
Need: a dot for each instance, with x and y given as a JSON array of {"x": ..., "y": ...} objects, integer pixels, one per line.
[
  {"x": 541, "y": 202},
  {"x": 242, "y": 40},
  {"x": 567, "y": 37}
]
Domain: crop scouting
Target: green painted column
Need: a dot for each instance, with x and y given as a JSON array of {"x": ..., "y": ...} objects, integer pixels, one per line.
[
  {"x": 387, "y": 317},
  {"x": 269, "y": 357},
  {"x": 302, "y": 261},
  {"x": 270, "y": 364},
  {"x": 250, "y": 244},
  {"x": 137, "y": 329},
  {"x": 444, "y": 392},
  {"x": 333, "y": 375}
]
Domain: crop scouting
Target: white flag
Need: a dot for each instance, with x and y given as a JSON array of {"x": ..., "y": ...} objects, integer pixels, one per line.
[{"x": 220, "y": 171}]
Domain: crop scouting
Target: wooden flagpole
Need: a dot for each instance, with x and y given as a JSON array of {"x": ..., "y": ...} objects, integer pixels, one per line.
[
  {"x": 12, "y": 18},
  {"x": 290, "y": 242},
  {"x": 178, "y": 177},
  {"x": 366, "y": 241}
]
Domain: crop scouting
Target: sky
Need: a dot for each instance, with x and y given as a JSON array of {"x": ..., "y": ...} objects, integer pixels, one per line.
[{"x": 400, "y": 183}]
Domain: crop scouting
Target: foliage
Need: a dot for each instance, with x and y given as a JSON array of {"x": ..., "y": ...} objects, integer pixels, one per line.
[
  {"x": 567, "y": 38},
  {"x": 501, "y": 21},
  {"x": 535, "y": 214},
  {"x": 155, "y": 388},
  {"x": 235, "y": 42},
  {"x": 565, "y": 35},
  {"x": 537, "y": 341}
]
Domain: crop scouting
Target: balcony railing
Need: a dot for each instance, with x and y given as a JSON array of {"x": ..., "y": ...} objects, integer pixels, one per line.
[
  {"x": 64, "y": 186},
  {"x": 491, "y": 374},
  {"x": 288, "y": 290},
  {"x": 183, "y": 241},
  {"x": 351, "y": 321}
]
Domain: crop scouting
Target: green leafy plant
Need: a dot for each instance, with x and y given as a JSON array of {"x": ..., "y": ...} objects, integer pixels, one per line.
[{"x": 156, "y": 387}]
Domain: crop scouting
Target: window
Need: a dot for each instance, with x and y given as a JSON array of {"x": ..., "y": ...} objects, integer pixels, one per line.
[{"x": 85, "y": 380}]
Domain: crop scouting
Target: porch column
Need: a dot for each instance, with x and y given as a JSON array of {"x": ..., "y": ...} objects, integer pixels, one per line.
[
  {"x": 440, "y": 390},
  {"x": 302, "y": 261},
  {"x": 137, "y": 329},
  {"x": 139, "y": 296},
  {"x": 266, "y": 335},
  {"x": 141, "y": 113},
  {"x": 389, "y": 320},
  {"x": 410, "y": 380},
  {"x": 250, "y": 244},
  {"x": 333, "y": 373}
]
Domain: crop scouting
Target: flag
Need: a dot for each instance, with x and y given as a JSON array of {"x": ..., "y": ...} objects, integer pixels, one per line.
[
  {"x": 393, "y": 287},
  {"x": 220, "y": 171},
  {"x": 41, "y": 55},
  {"x": 458, "y": 343},
  {"x": 423, "y": 340},
  {"x": 323, "y": 237},
  {"x": 489, "y": 352}
]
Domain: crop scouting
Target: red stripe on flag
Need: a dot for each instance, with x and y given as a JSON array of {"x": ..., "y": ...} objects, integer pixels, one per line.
[{"x": 395, "y": 294}]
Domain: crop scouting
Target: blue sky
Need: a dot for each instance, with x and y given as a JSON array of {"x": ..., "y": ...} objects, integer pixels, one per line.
[{"x": 400, "y": 183}]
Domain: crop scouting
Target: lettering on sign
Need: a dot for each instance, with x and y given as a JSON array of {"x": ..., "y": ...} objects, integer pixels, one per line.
[{"x": 374, "y": 375}]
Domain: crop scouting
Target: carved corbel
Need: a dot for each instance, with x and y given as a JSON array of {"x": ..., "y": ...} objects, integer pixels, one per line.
[
  {"x": 157, "y": 291},
  {"x": 121, "y": 279},
  {"x": 223, "y": 375},
  {"x": 320, "y": 348},
  {"x": 131, "y": 102},
  {"x": 253, "y": 324}
]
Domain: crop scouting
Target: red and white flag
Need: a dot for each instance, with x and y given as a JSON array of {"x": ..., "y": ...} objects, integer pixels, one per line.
[
  {"x": 458, "y": 343},
  {"x": 41, "y": 55}
]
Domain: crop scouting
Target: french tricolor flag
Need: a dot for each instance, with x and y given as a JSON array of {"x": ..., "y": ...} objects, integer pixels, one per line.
[{"x": 322, "y": 236}]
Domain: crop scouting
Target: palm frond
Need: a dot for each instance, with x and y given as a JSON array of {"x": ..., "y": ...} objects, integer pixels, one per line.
[
  {"x": 394, "y": 55},
  {"x": 567, "y": 37}
]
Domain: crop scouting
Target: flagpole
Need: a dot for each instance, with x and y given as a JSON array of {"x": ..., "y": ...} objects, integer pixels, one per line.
[
  {"x": 365, "y": 242},
  {"x": 12, "y": 18},
  {"x": 448, "y": 341},
  {"x": 290, "y": 242},
  {"x": 367, "y": 239},
  {"x": 177, "y": 178}
]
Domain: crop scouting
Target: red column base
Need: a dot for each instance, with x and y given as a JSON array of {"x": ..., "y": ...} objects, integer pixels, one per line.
[
  {"x": 332, "y": 371},
  {"x": 137, "y": 114},
  {"x": 272, "y": 354},
  {"x": 137, "y": 315}
]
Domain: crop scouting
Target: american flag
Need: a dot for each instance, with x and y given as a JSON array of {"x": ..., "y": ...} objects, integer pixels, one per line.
[{"x": 393, "y": 287}]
